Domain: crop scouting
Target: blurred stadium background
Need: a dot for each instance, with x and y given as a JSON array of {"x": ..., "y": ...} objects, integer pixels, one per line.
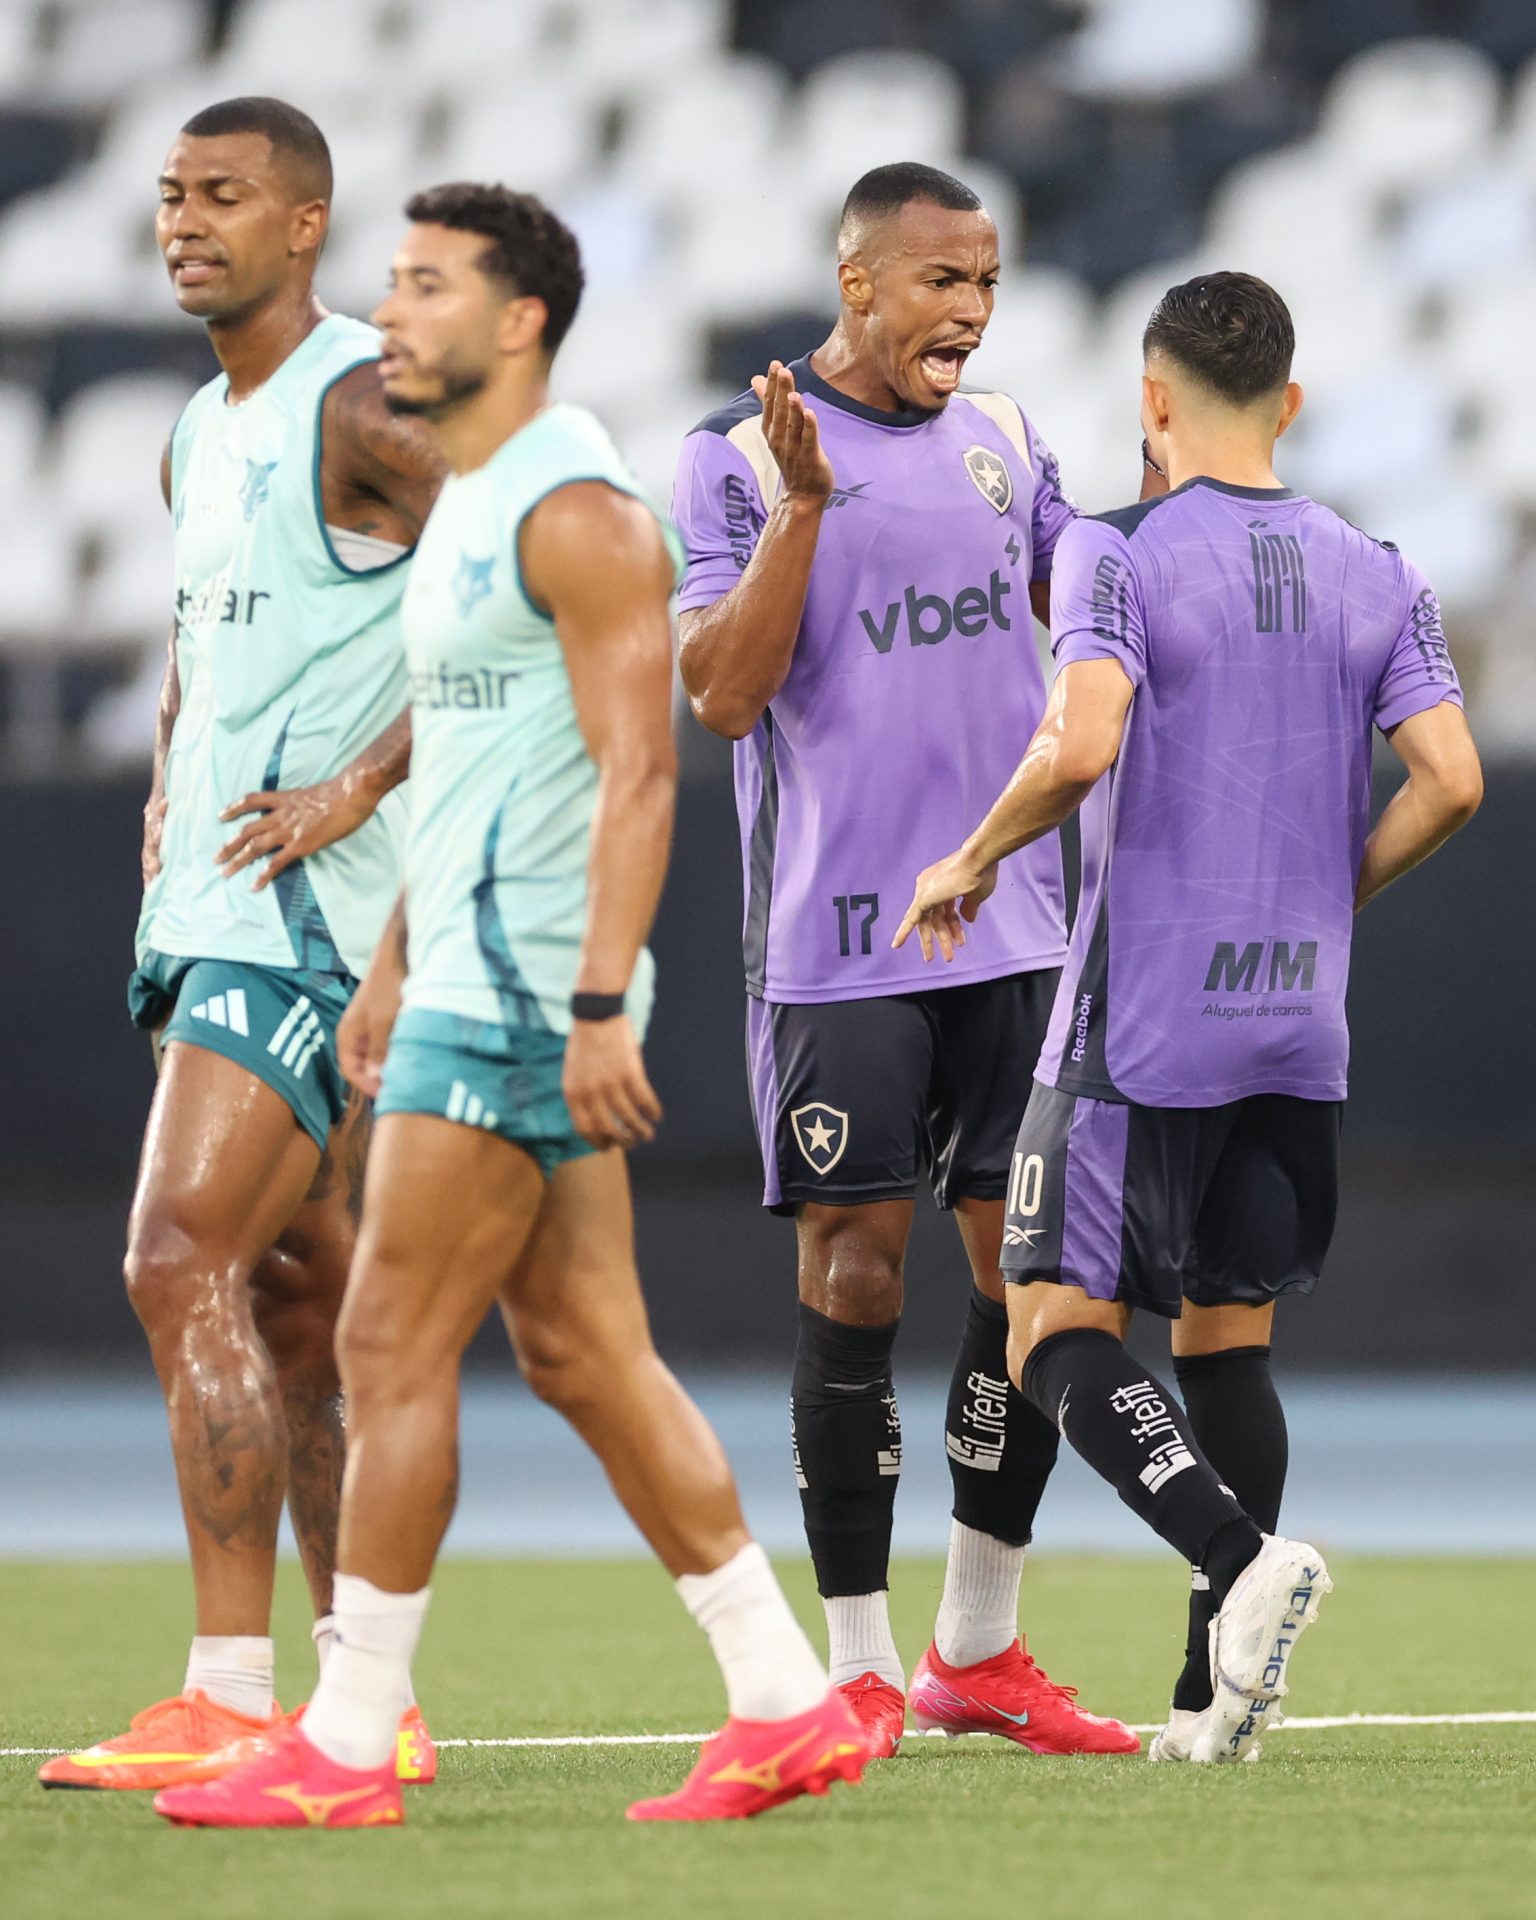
[{"x": 1376, "y": 159}]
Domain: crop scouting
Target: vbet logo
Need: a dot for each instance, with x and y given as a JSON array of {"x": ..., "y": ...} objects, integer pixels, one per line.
[{"x": 931, "y": 618}]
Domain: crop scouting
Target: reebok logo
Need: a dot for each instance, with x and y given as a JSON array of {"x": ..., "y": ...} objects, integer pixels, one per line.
[
  {"x": 225, "y": 1010},
  {"x": 931, "y": 618}
]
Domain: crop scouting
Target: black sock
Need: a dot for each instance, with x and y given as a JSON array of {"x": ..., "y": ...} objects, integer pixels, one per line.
[
  {"x": 1133, "y": 1432},
  {"x": 847, "y": 1436},
  {"x": 1001, "y": 1448},
  {"x": 1236, "y": 1416}
]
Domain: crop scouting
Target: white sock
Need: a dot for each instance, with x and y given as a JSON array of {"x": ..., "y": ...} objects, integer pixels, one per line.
[
  {"x": 323, "y": 1633},
  {"x": 233, "y": 1668},
  {"x": 769, "y": 1667},
  {"x": 979, "y": 1614},
  {"x": 859, "y": 1639},
  {"x": 354, "y": 1717}
]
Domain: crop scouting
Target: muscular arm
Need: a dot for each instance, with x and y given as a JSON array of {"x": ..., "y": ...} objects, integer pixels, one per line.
[
  {"x": 1442, "y": 792},
  {"x": 1074, "y": 746},
  {"x": 613, "y": 629},
  {"x": 380, "y": 472},
  {"x": 734, "y": 655},
  {"x": 165, "y": 720}
]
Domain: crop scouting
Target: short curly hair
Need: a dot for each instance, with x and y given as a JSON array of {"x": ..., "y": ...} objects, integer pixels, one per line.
[{"x": 527, "y": 246}]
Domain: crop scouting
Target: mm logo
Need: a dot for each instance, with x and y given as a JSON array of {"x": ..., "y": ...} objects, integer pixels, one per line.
[{"x": 1242, "y": 970}]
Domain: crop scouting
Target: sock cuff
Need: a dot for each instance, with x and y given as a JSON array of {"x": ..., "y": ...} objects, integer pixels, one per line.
[
  {"x": 353, "y": 1594},
  {"x": 1054, "y": 1345},
  {"x": 253, "y": 1650},
  {"x": 860, "y": 1350},
  {"x": 747, "y": 1563},
  {"x": 1187, "y": 1365},
  {"x": 994, "y": 1312}
]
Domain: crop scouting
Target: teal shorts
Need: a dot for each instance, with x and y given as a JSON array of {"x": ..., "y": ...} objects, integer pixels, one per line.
[
  {"x": 506, "y": 1080},
  {"x": 279, "y": 1023}
]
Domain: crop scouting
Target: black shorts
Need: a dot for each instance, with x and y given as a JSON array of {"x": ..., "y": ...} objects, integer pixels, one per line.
[
  {"x": 854, "y": 1098},
  {"x": 1158, "y": 1205}
]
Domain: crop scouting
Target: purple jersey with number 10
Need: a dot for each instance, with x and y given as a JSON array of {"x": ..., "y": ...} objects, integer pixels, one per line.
[
  {"x": 1265, "y": 637},
  {"x": 913, "y": 692}
]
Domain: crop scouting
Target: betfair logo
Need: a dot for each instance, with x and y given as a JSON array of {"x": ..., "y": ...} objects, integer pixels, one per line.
[
  {"x": 1291, "y": 969},
  {"x": 931, "y": 618}
]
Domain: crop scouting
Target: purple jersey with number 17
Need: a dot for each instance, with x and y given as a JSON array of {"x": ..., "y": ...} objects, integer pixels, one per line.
[
  {"x": 1265, "y": 638},
  {"x": 913, "y": 692}
]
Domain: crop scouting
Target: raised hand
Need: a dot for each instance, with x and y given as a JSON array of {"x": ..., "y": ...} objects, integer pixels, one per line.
[
  {"x": 946, "y": 894},
  {"x": 793, "y": 437}
]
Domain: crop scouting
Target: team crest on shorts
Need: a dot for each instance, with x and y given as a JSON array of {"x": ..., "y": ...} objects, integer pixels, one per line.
[
  {"x": 990, "y": 476},
  {"x": 821, "y": 1134}
]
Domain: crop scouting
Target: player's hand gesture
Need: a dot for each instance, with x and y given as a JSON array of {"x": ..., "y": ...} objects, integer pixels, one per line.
[
  {"x": 793, "y": 437},
  {"x": 946, "y": 894},
  {"x": 291, "y": 825},
  {"x": 362, "y": 1038},
  {"x": 606, "y": 1088}
]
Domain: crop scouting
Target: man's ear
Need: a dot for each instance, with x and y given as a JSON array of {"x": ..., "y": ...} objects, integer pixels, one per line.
[
  {"x": 522, "y": 324},
  {"x": 855, "y": 285},
  {"x": 309, "y": 226},
  {"x": 1154, "y": 404},
  {"x": 1290, "y": 406}
]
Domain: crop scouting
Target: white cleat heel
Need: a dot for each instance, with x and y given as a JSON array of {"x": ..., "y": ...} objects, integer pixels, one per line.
[{"x": 1272, "y": 1603}]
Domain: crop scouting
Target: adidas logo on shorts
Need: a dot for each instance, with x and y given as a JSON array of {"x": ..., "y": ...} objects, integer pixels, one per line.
[{"x": 225, "y": 1010}]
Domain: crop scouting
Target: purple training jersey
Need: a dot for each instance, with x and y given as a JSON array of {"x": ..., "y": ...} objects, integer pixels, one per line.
[
  {"x": 1264, "y": 637},
  {"x": 913, "y": 692}
]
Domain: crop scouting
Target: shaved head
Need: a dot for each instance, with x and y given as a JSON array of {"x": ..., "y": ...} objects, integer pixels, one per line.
[
  {"x": 883, "y": 192},
  {"x": 299, "y": 150}
]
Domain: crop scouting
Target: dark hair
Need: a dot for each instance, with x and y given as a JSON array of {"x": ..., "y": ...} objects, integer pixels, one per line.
[
  {"x": 529, "y": 247},
  {"x": 886, "y": 190},
  {"x": 296, "y": 141},
  {"x": 1231, "y": 331}
]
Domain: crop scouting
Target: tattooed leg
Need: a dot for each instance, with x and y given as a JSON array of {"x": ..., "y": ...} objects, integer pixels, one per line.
[
  {"x": 297, "y": 1290},
  {"x": 223, "y": 1171}
]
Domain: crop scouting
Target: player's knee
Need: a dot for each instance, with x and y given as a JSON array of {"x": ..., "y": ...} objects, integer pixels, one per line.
[
  {"x": 164, "y": 1276},
  {"x": 295, "y": 1298},
  {"x": 851, "y": 1277}
]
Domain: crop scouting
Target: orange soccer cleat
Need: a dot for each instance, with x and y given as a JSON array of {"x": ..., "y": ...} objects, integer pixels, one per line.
[
  {"x": 168, "y": 1743},
  {"x": 415, "y": 1755},
  {"x": 752, "y": 1765},
  {"x": 881, "y": 1711},
  {"x": 289, "y": 1783},
  {"x": 1009, "y": 1695}
]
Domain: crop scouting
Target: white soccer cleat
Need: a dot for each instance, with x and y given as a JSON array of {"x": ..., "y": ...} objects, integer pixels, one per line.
[
  {"x": 1176, "y": 1741},
  {"x": 1273, "y": 1601}
]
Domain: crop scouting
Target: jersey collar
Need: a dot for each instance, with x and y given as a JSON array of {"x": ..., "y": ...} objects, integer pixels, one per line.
[
  {"x": 1239, "y": 493},
  {"x": 810, "y": 383}
]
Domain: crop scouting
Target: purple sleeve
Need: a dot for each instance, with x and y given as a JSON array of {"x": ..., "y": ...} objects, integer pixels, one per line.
[
  {"x": 1096, "y": 608},
  {"x": 718, "y": 511},
  {"x": 1418, "y": 674},
  {"x": 1054, "y": 511}
]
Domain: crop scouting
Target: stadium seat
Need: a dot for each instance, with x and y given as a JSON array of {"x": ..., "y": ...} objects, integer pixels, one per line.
[
  {"x": 294, "y": 49},
  {"x": 1488, "y": 322},
  {"x": 860, "y": 111},
  {"x": 1408, "y": 112},
  {"x": 728, "y": 108},
  {"x": 101, "y": 48},
  {"x": 117, "y": 429},
  {"x": 1391, "y": 419},
  {"x": 537, "y": 133},
  {"x": 1452, "y": 525},
  {"x": 63, "y": 257},
  {"x": 1129, "y": 51},
  {"x": 1472, "y": 225},
  {"x": 130, "y": 592},
  {"x": 39, "y": 595},
  {"x": 1042, "y": 324},
  {"x": 1283, "y": 217},
  {"x": 620, "y": 48},
  {"x": 23, "y": 424}
]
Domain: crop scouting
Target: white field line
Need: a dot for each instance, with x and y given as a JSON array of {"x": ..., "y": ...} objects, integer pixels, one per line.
[{"x": 1301, "y": 1724}]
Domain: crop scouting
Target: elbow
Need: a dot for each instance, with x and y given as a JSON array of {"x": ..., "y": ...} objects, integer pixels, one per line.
[
  {"x": 1462, "y": 795},
  {"x": 730, "y": 719},
  {"x": 1081, "y": 765}
]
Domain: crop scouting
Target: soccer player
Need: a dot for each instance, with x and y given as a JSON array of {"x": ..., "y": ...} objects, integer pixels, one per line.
[
  {"x": 1225, "y": 652},
  {"x": 294, "y": 495},
  {"x": 544, "y": 774},
  {"x": 865, "y": 544}
]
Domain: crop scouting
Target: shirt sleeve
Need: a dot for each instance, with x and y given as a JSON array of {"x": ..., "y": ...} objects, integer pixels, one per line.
[
  {"x": 1418, "y": 673},
  {"x": 1053, "y": 511},
  {"x": 1096, "y": 603},
  {"x": 718, "y": 511}
]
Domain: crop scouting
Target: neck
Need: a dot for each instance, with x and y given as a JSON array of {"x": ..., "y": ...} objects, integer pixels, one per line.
[
  {"x": 1239, "y": 461},
  {"x": 253, "y": 347},
  {"x": 838, "y": 361},
  {"x": 473, "y": 431}
]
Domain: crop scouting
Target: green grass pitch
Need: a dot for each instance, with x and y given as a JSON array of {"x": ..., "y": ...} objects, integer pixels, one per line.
[{"x": 1353, "y": 1823}]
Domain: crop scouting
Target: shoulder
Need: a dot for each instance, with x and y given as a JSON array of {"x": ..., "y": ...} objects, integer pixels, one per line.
[
  {"x": 724, "y": 421},
  {"x": 1130, "y": 521},
  {"x": 360, "y": 430},
  {"x": 559, "y": 533},
  {"x": 1007, "y": 416}
]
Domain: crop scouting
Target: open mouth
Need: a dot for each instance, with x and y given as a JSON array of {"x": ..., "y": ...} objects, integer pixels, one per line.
[
  {"x": 190, "y": 273},
  {"x": 942, "y": 366}
]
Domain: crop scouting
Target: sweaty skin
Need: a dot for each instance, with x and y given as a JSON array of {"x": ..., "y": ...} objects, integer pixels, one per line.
[{"x": 241, "y": 1231}]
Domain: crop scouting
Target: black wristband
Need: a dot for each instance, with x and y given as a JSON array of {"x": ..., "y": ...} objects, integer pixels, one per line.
[{"x": 596, "y": 1006}]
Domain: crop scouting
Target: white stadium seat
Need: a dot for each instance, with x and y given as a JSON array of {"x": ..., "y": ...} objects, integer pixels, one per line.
[
  {"x": 1409, "y": 112},
  {"x": 107, "y": 460},
  {"x": 63, "y": 257},
  {"x": 101, "y": 48},
  {"x": 863, "y": 110},
  {"x": 718, "y": 119},
  {"x": 1128, "y": 50},
  {"x": 1473, "y": 224},
  {"x": 23, "y": 423}
]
